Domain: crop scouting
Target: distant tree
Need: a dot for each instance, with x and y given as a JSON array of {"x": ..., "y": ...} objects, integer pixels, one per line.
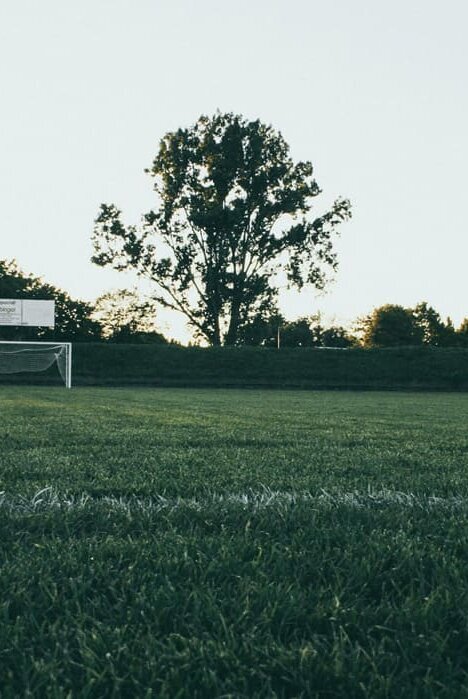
[
  {"x": 140, "y": 337},
  {"x": 298, "y": 333},
  {"x": 450, "y": 338},
  {"x": 390, "y": 326},
  {"x": 73, "y": 321},
  {"x": 262, "y": 330},
  {"x": 302, "y": 332},
  {"x": 13, "y": 281},
  {"x": 462, "y": 333},
  {"x": 336, "y": 336},
  {"x": 232, "y": 210},
  {"x": 126, "y": 317},
  {"x": 434, "y": 331}
]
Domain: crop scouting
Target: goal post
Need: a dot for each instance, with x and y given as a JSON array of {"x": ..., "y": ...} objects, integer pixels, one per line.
[{"x": 22, "y": 356}]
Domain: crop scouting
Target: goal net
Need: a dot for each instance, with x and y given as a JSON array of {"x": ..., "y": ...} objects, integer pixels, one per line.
[{"x": 17, "y": 357}]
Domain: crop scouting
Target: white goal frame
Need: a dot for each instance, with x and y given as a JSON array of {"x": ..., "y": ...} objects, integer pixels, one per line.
[{"x": 67, "y": 346}]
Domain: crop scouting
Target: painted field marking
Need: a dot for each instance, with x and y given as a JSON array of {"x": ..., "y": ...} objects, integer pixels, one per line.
[{"x": 48, "y": 498}]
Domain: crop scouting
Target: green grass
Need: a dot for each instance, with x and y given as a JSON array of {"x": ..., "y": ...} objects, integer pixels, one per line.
[{"x": 202, "y": 543}]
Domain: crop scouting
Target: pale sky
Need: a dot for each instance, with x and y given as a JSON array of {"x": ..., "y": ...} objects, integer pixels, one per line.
[{"x": 373, "y": 93}]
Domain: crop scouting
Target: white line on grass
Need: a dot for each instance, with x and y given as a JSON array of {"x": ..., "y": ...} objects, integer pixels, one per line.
[{"x": 48, "y": 498}]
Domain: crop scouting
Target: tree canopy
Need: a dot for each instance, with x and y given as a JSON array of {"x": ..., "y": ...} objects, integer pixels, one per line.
[
  {"x": 232, "y": 210},
  {"x": 265, "y": 330},
  {"x": 125, "y": 316},
  {"x": 392, "y": 325},
  {"x": 463, "y": 333},
  {"x": 434, "y": 331}
]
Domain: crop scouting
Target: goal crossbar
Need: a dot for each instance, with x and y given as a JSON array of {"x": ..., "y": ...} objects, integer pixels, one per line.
[{"x": 24, "y": 356}]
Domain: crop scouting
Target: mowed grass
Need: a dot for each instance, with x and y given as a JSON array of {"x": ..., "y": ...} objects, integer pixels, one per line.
[{"x": 197, "y": 543}]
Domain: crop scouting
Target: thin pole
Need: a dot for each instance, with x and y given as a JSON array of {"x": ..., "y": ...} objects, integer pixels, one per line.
[
  {"x": 69, "y": 364},
  {"x": 278, "y": 337}
]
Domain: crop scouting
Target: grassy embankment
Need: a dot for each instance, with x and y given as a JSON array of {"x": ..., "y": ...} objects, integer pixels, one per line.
[
  {"x": 229, "y": 543},
  {"x": 402, "y": 368}
]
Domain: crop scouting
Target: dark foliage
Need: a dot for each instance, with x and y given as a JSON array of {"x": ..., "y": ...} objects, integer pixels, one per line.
[
  {"x": 392, "y": 325},
  {"x": 73, "y": 321},
  {"x": 232, "y": 209},
  {"x": 125, "y": 316}
]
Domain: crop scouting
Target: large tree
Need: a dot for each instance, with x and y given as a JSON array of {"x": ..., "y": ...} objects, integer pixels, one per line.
[{"x": 232, "y": 210}]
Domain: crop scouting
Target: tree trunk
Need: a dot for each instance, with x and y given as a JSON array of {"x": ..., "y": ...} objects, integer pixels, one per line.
[
  {"x": 215, "y": 339},
  {"x": 215, "y": 336},
  {"x": 231, "y": 335}
]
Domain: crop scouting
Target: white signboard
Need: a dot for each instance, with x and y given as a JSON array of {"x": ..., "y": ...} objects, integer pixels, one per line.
[
  {"x": 10, "y": 312},
  {"x": 28, "y": 312},
  {"x": 39, "y": 313}
]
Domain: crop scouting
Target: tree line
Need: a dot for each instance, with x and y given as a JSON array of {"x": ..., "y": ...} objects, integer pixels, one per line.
[
  {"x": 124, "y": 316},
  {"x": 119, "y": 316}
]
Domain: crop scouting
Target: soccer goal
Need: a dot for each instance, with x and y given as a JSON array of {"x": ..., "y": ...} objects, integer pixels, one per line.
[{"x": 17, "y": 357}]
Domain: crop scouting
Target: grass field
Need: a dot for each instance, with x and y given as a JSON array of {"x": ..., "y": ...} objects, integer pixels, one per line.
[{"x": 223, "y": 543}]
